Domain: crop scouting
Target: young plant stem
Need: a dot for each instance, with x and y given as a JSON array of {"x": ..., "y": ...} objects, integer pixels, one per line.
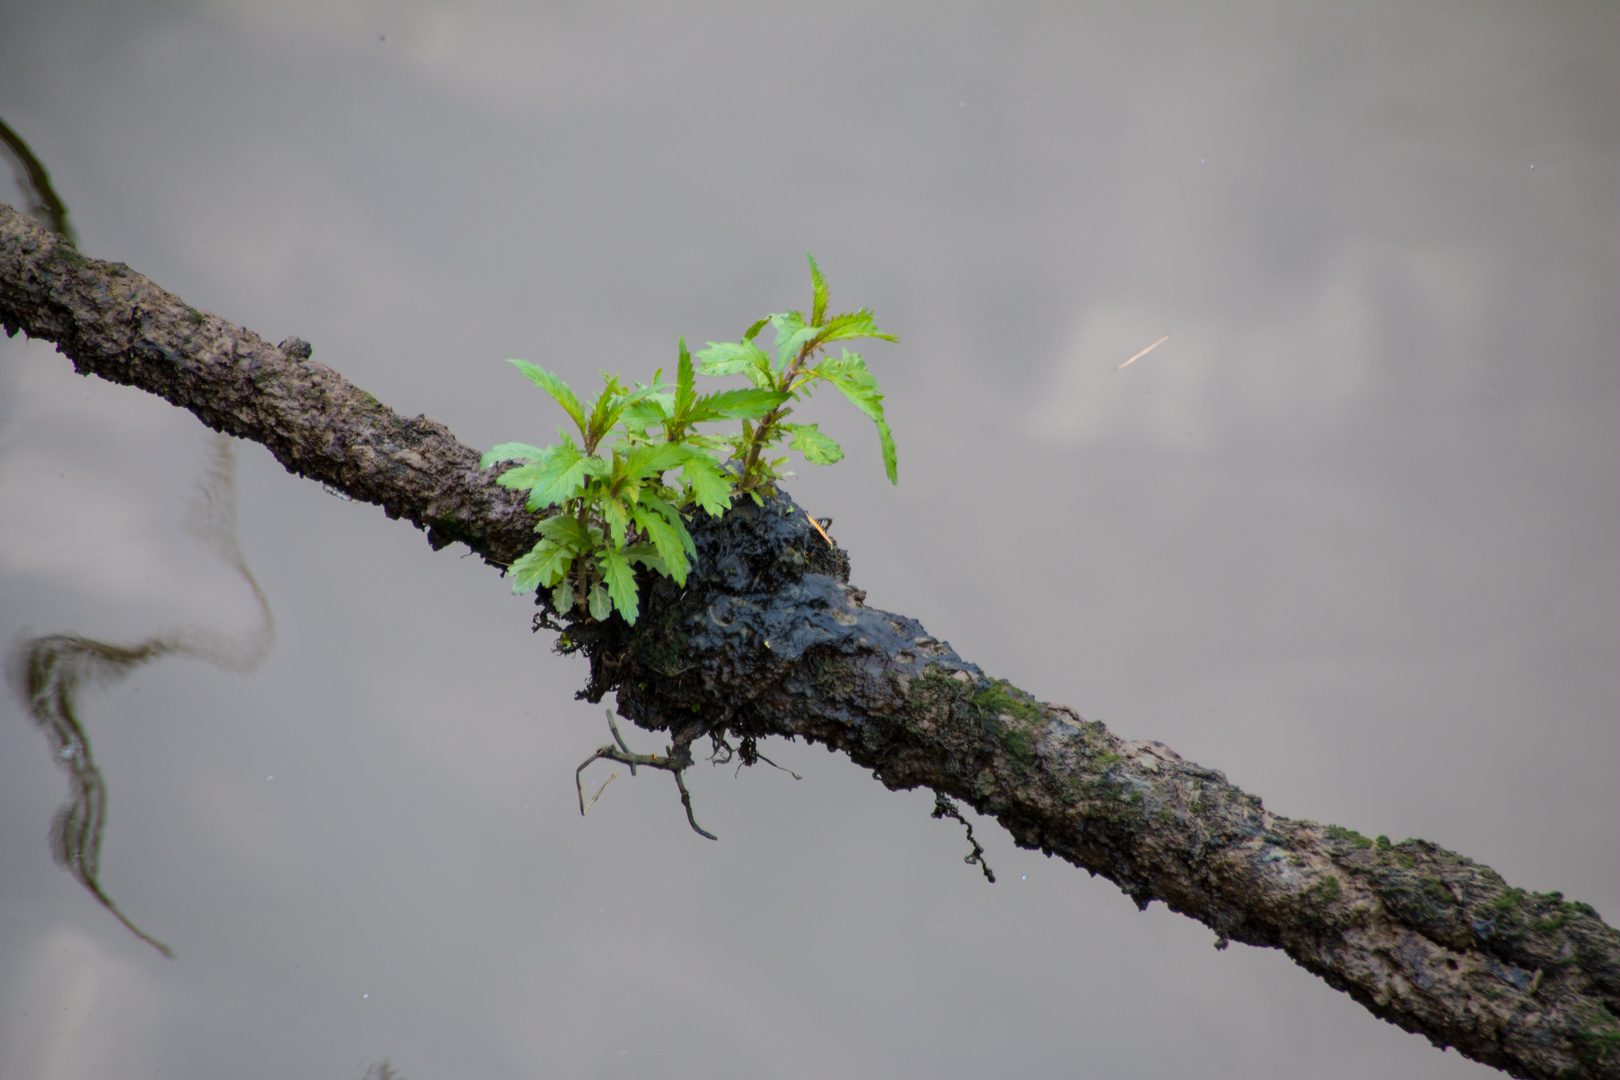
[
  {"x": 582, "y": 560},
  {"x": 750, "y": 477}
]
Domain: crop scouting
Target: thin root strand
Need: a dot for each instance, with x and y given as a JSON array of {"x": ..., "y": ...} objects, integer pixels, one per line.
[{"x": 944, "y": 808}]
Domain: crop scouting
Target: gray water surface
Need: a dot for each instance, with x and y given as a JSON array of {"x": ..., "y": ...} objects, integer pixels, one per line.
[{"x": 1349, "y": 535}]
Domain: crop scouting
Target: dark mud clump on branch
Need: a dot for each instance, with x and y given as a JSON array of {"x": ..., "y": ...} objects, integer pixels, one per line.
[{"x": 766, "y": 589}]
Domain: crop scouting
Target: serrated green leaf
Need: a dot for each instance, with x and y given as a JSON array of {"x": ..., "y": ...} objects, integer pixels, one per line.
[
  {"x": 651, "y": 411},
  {"x": 562, "y": 597},
  {"x": 665, "y": 539},
  {"x": 753, "y": 331},
  {"x": 621, "y": 584},
  {"x": 600, "y": 604},
  {"x": 553, "y": 385},
  {"x": 565, "y": 529},
  {"x": 818, "y": 292},
  {"x": 554, "y": 563},
  {"x": 605, "y": 410},
  {"x": 617, "y": 516},
  {"x": 544, "y": 565},
  {"x": 684, "y": 392},
  {"x": 849, "y": 374},
  {"x": 647, "y": 556},
  {"x": 886, "y": 440},
  {"x": 710, "y": 445},
  {"x": 736, "y": 358},
  {"x": 519, "y": 477},
  {"x": 612, "y": 404},
  {"x": 787, "y": 323},
  {"x": 852, "y": 324},
  {"x": 512, "y": 451},
  {"x": 817, "y": 448},
  {"x": 735, "y": 405},
  {"x": 708, "y": 482},
  {"x": 673, "y": 515},
  {"x": 525, "y": 579},
  {"x": 556, "y": 478},
  {"x": 791, "y": 335},
  {"x": 649, "y": 462}
]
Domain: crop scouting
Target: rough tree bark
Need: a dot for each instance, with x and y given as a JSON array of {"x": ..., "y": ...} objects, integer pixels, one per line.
[{"x": 769, "y": 638}]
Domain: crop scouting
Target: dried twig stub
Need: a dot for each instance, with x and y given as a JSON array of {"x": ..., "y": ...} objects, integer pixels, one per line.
[
  {"x": 583, "y": 810},
  {"x": 676, "y": 761},
  {"x": 1143, "y": 353},
  {"x": 820, "y": 529}
]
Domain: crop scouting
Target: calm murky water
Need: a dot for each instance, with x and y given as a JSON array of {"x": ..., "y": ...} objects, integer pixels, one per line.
[{"x": 1348, "y": 535}]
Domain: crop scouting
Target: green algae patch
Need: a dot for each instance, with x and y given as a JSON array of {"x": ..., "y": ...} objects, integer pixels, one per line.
[
  {"x": 999, "y": 697},
  {"x": 1519, "y": 911},
  {"x": 1010, "y": 717},
  {"x": 69, "y": 254},
  {"x": 1510, "y": 901},
  {"x": 1020, "y": 745},
  {"x": 1004, "y": 715},
  {"x": 935, "y": 691},
  {"x": 1597, "y": 1040},
  {"x": 1347, "y": 836}
]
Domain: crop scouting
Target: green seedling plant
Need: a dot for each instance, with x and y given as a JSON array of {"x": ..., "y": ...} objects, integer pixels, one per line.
[
  {"x": 619, "y": 496},
  {"x": 800, "y": 339}
]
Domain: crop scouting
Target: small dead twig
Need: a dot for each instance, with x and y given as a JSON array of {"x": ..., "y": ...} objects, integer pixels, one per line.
[
  {"x": 686, "y": 801},
  {"x": 1143, "y": 353},
  {"x": 676, "y": 761},
  {"x": 583, "y": 810},
  {"x": 613, "y": 727},
  {"x": 820, "y": 530},
  {"x": 944, "y": 808}
]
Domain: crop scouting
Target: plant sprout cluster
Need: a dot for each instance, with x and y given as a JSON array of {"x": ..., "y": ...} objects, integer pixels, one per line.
[{"x": 615, "y": 492}]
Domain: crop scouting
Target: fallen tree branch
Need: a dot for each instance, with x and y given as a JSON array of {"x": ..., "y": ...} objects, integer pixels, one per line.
[{"x": 768, "y": 638}]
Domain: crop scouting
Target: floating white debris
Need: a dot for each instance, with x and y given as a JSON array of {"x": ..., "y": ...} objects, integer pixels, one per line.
[{"x": 1143, "y": 353}]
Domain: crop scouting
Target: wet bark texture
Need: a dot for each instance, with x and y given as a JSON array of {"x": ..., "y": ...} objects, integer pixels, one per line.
[{"x": 768, "y": 638}]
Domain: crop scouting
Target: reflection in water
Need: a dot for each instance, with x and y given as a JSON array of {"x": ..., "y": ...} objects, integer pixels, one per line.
[
  {"x": 43, "y": 202},
  {"x": 48, "y": 673}
]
